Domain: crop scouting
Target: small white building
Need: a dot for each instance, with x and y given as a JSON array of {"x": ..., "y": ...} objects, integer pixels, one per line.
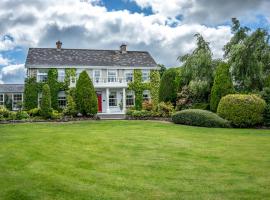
[{"x": 110, "y": 71}]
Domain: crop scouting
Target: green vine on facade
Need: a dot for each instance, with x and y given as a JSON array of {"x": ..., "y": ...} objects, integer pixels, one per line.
[
  {"x": 70, "y": 74},
  {"x": 154, "y": 87},
  {"x": 54, "y": 87},
  {"x": 31, "y": 90}
]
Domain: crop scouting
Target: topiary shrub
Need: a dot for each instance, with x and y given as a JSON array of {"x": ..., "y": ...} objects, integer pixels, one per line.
[
  {"x": 266, "y": 96},
  {"x": 30, "y": 94},
  {"x": 242, "y": 110},
  {"x": 222, "y": 85},
  {"x": 86, "y": 98},
  {"x": 197, "y": 117},
  {"x": 54, "y": 87},
  {"x": 45, "y": 107},
  {"x": 154, "y": 87},
  {"x": 168, "y": 86},
  {"x": 4, "y": 112},
  {"x": 70, "y": 109}
]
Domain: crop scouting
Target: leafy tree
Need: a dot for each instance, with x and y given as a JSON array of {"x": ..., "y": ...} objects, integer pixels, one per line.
[
  {"x": 168, "y": 86},
  {"x": 45, "y": 107},
  {"x": 198, "y": 65},
  {"x": 70, "y": 109},
  {"x": 86, "y": 98},
  {"x": 162, "y": 69},
  {"x": 249, "y": 57},
  {"x": 266, "y": 96},
  {"x": 30, "y": 94},
  {"x": 222, "y": 85},
  {"x": 54, "y": 87}
]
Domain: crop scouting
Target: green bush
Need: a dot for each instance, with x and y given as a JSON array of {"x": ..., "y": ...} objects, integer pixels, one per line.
[
  {"x": 165, "y": 109},
  {"x": 70, "y": 109},
  {"x": 4, "y": 112},
  {"x": 266, "y": 96},
  {"x": 86, "y": 98},
  {"x": 202, "y": 106},
  {"x": 55, "y": 114},
  {"x": 222, "y": 85},
  {"x": 34, "y": 112},
  {"x": 141, "y": 114},
  {"x": 242, "y": 110},
  {"x": 147, "y": 105},
  {"x": 199, "y": 90},
  {"x": 54, "y": 87},
  {"x": 30, "y": 94},
  {"x": 197, "y": 117},
  {"x": 45, "y": 107},
  {"x": 168, "y": 86},
  {"x": 22, "y": 115}
]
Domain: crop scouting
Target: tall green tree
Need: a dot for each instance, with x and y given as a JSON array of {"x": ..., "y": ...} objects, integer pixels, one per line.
[
  {"x": 222, "y": 85},
  {"x": 54, "y": 87},
  {"x": 154, "y": 87},
  {"x": 86, "y": 98},
  {"x": 45, "y": 107},
  {"x": 30, "y": 94},
  {"x": 249, "y": 57},
  {"x": 198, "y": 65},
  {"x": 162, "y": 69},
  {"x": 168, "y": 86}
]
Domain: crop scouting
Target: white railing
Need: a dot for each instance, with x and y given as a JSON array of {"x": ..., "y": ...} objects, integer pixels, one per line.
[{"x": 109, "y": 80}]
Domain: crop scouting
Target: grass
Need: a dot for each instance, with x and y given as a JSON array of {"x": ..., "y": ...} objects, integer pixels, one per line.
[{"x": 132, "y": 160}]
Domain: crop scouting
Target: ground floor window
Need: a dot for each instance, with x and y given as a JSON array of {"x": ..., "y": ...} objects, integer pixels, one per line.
[
  {"x": 62, "y": 102},
  {"x": 17, "y": 101},
  {"x": 146, "y": 95},
  {"x": 2, "y": 101},
  {"x": 112, "y": 99},
  {"x": 130, "y": 98}
]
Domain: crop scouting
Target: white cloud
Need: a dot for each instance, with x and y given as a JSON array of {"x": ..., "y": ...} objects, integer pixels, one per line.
[
  {"x": 3, "y": 61},
  {"x": 12, "y": 74}
]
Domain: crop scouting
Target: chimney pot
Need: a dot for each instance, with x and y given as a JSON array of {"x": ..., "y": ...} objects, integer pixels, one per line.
[
  {"x": 58, "y": 45},
  {"x": 123, "y": 48}
]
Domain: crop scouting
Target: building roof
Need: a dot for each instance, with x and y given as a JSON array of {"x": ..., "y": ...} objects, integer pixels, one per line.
[
  {"x": 87, "y": 57},
  {"x": 11, "y": 88}
]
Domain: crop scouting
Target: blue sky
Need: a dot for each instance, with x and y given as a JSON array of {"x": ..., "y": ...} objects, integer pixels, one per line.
[{"x": 164, "y": 28}]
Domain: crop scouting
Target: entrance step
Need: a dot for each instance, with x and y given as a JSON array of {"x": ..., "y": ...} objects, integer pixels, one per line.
[{"x": 111, "y": 116}]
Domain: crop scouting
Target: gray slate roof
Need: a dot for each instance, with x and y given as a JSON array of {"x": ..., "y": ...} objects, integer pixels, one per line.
[
  {"x": 11, "y": 88},
  {"x": 88, "y": 57}
]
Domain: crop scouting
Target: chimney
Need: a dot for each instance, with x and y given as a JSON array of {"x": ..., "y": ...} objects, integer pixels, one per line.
[
  {"x": 123, "y": 48},
  {"x": 58, "y": 45}
]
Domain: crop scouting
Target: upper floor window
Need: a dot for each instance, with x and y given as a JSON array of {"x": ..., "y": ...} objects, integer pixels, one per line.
[
  {"x": 112, "y": 75},
  {"x": 145, "y": 75},
  {"x": 97, "y": 76},
  {"x": 129, "y": 76},
  {"x": 42, "y": 75},
  {"x": 2, "y": 99},
  {"x": 61, "y": 75},
  {"x": 146, "y": 95}
]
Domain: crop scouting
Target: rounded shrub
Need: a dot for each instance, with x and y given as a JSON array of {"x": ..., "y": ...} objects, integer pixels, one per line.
[
  {"x": 22, "y": 115},
  {"x": 197, "y": 117},
  {"x": 242, "y": 110}
]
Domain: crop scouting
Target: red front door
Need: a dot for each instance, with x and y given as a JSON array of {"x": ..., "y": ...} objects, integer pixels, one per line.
[{"x": 99, "y": 96}]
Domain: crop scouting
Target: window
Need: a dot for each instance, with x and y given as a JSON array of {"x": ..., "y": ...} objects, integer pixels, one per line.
[
  {"x": 146, "y": 95},
  {"x": 17, "y": 101},
  {"x": 2, "y": 99},
  {"x": 112, "y": 99},
  {"x": 145, "y": 75},
  {"x": 39, "y": 99},
  {"x": 97, "y": 76},
  {"x": 61, "y": 75},
  {"x": 42, "y": 75},
  {"x": 130, "y": 98},
  {"x": 62, "y": 102},
  {"x": 112, "y": 75},
  {"x": 129, "y": 76}
]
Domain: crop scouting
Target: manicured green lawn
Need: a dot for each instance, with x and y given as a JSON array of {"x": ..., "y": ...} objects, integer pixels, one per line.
[{"x": 132, "y": 160}]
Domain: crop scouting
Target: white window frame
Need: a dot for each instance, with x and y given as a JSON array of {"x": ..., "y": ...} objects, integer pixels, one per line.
[
  {"x": 145, "y": 75},
  {"x": 96, "y": 80},
  {"x": 15, "y": 102},
  {"x": 43, "y": 75},
  {"x": 2, "y": 102},
  {"x": 128, "y": 72},
  {"x": 110, "y": 78},
  {"x": 115, "y": 98},
  {"x": 146, "y": 92},
  {"x": 61, "y": 97},
  {"x": 61, "y": 75},
  {"x": 128, "y": 98}
]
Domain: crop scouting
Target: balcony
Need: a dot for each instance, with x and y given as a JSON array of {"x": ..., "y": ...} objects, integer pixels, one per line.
[{"x": 110, "y": 82}]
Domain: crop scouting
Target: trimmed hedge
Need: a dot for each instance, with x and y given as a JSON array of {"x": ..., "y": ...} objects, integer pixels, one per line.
[
  {"x": 197, "y": 117},
  {"x": 242, "y": 110}
]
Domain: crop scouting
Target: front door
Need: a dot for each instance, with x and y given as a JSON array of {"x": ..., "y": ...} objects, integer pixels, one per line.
[{"x": 99, "y": 96}]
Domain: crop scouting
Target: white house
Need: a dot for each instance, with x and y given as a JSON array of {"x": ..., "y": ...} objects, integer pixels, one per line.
[{"x": 110, "y": 71}]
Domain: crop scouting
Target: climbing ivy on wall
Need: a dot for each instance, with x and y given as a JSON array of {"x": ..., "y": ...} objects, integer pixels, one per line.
[
  {"x": 69, "y": 74},
  {"x": 154, "y": 87},
  {"x": 54, "y": 87},
  {"x": 138, "y": 87}
]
